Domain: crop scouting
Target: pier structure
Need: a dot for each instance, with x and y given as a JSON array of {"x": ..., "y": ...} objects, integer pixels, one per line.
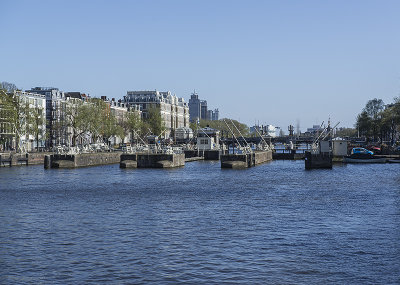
[
  {"x": 190, "y": 155},
  {"x": 321, "y": 155},
  {"x": 19, "y": 159},
  {"x": 152, "y": 156},
  {"x": 246, "y": 156},
  {"x": 81, "y": 159},
  {"x": 245, "y": 160},
  {"x": 152, "y": 160}
]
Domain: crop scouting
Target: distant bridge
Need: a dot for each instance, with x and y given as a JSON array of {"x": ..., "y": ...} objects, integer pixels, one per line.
[{"x": 256, "y": 140}]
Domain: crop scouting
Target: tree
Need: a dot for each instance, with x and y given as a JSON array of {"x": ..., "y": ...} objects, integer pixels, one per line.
[
  {"x": 97, "y": 111},
  {"x": 15, "y": 112},
  {"x": 131, "y": 123},
  {"x": 155, "y": 121},
  {"x": 369, "y": 121},
  {"x": 80, "y": 116},
  {"x": 36, "y": 121},
  {"x": 109, "y": 128},
  {"x": 374, "y": 107},
  {"x": 226, "y": 127},
  {"x": 8, "y": 87},
  {"x": 346, "y": 132},
  {"x": 364, "y": 124},
  {"x": 7, "y": 129}
]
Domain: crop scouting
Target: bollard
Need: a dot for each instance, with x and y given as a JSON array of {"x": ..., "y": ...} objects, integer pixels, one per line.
[{"x": 47, "y": 162}]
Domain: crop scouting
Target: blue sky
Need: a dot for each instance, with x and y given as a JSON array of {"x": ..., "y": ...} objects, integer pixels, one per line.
[{"x": 276, "y": 62}]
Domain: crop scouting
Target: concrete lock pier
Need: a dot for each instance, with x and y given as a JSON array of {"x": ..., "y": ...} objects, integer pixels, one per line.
[
  {"x": 81, "y": 160},
  {"x": 190, "y": 155},
  {"x": 291, "y": 155},
  {"x": 315, "y": 161},
  {"x": 152, "y": 160},
  {"x": 17, "y": 159},
  {"x": 245, "y": 160}
]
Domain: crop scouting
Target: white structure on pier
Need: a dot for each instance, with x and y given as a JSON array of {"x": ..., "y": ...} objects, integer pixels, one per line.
[{"x": 207, "y": 139}]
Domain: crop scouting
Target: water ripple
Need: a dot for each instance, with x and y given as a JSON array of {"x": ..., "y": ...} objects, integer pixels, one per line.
[{"x": 274, "y": 223}]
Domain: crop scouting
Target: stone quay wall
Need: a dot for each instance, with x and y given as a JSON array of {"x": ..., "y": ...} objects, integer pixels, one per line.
[
  {"x": 160, "y": 160},
  {"x": 17, "y": 159},
  {"x": 245, "y": 160},
  {"x": 81, "y": 160},
  {"x": 261, "y": 156}
]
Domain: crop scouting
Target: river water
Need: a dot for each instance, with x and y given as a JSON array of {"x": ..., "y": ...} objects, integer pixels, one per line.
[{"x": 271, "y": 224}]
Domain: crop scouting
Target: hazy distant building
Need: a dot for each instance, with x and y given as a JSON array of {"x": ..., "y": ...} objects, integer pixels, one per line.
[
  {"x": 204, "y": 110},
  {"x": 174, "y": 111},
  {"x": 215, "y": 115},
  {"x": 267, "y": 130},
  {"x": 198, "y": 109},
  {"x": 315, "y": 129}
]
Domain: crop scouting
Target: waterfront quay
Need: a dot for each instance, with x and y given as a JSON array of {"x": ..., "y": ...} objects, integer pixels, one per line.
[{"x": 18, "y": 159}]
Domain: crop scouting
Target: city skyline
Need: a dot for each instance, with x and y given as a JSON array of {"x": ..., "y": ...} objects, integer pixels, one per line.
[{"x": 267, "y": 62}]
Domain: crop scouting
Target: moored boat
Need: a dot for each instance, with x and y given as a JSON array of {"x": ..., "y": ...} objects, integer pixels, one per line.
[
  {"x": 372, "y": 159},
  {"x": 362, "y": 155}
]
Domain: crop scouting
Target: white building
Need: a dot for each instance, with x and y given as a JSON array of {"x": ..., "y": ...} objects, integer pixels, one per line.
[
  {"x": 55, "y": 115},
  {"x": 174, "y": 111},
  {"x": 36, "y": 104},
  {"x": 267, "y": 130},
  {"x": 208, "y": 139},
  {"x": 183, "y": 133},
  {"x": 120, "y": 110}
]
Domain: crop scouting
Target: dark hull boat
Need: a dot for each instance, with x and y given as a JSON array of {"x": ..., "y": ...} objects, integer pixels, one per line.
[{"x": 363, "y": 158}]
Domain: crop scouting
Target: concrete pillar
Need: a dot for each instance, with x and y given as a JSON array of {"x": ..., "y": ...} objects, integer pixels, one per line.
[{"x": 47, "y": 161}]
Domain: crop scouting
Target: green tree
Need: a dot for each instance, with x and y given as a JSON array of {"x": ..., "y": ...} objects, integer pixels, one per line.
[
  {"x": 97, "y": 114},
  {"x": 8, "y": 87},
  {"x": 227, "y": 126},
  {"x": 7, "y": 129},
  {"x": 77, "y": 116},
  {"x": 155, "y": 121},
  {"x": 374, "y": 107},
  {"x": 374, "y": 110},
  {"x": 37, "y": 123},
  {"x": 369, "y": 121},
  {"x": 346, "y": 132},
  {"x": 131, "y": 123},
  {"x": 15, "y": 113},
  {"x": 109, "y": 127},
  {"x": 144, "y": 129},
  {"x": 364, "y": 124}
]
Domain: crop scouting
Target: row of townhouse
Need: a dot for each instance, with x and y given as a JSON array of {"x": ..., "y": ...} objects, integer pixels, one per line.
[
  {"x": 53, "y": 103},
  {"x": 174, "y": 110},
  {"x": 9, "y": 133}
]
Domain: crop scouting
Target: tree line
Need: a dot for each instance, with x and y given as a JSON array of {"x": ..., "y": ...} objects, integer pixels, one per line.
[
  {"x": 95, "y": 117},
  {"x": 379, "y": 122},
  {"x": 225, "y": 126},
  {"x": 18, "y": 117},
  {"x": 92, "y": 118}
]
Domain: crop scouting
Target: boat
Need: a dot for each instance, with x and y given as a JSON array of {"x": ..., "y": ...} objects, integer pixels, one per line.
[
  {"x": 393, "y": 160},
  {"x": 358, "y": 156},
  {"x": 372, "y": 159},
  {"x": 362, "y": 155}
]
